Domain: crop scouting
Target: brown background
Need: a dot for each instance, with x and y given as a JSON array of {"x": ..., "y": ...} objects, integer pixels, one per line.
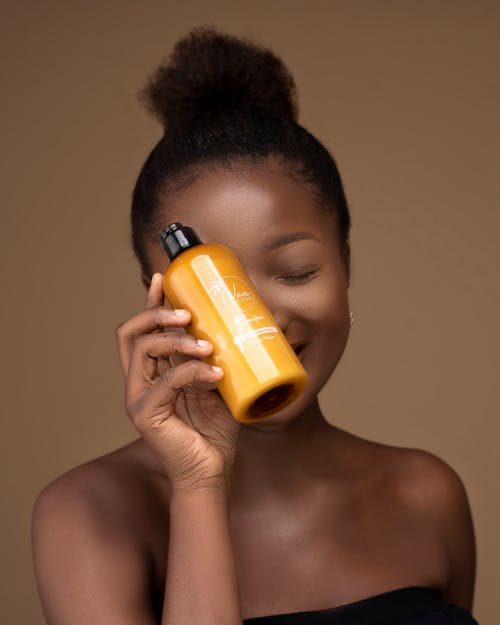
[{"x": 405, "y": 94}]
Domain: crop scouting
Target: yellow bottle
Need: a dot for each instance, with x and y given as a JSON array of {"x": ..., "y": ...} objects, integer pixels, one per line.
[{"x": 262, "y": 373}]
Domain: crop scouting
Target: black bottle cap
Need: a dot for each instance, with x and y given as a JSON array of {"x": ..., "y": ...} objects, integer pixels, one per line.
[{"x": 177, "y": 238}]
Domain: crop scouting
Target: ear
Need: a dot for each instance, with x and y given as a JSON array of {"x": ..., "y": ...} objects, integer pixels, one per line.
[{"x": 347, "y": 263}]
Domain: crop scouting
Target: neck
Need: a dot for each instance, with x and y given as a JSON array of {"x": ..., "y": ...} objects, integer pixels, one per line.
[{"x": 282, "y": 457}]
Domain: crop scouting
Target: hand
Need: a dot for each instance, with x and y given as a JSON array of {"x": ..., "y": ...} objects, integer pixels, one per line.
[{"x": 191, "y": 431}]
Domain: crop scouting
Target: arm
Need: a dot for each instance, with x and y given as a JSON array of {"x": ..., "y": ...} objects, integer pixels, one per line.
[
  {"x": 201, "y": 584},
  {"x": 195, "y": 438},
  {"x": 88, "y": 567},
  {"x": 439, "y": 492},
  {"x": 458, "y": 531}
]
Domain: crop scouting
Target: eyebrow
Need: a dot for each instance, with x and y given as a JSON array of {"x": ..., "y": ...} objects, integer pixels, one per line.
[{"x": 286, "y": 239}]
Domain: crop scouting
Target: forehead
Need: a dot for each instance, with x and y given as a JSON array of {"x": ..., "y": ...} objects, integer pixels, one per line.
[{"x": 244, "y": 207}]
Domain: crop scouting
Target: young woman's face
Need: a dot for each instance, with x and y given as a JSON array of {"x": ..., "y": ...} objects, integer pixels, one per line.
[{"x": 290, "y": 250}]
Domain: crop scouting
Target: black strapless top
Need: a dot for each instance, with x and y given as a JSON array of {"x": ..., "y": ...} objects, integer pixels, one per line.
[{"x": 412, "y": 605}]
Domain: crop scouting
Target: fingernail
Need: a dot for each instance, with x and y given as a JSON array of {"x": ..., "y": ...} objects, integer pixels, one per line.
[
  {"x": 179, "y": 312},
  {"x": 216, "y": 369},
  {"x": 202, "y": 343}
]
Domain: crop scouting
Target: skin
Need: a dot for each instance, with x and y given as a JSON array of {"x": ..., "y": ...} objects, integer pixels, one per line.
[{"x": 319, "y": 517}]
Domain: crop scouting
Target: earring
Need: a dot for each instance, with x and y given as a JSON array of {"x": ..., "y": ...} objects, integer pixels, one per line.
[{"x": 351, "y": 317}]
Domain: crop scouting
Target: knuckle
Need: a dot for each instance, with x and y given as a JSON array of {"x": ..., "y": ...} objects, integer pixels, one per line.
[
  {"x": 136, "y": 413},
  {"x": 200, "y": 370},
  {"x": 119, "y": 329},
  {"x": 168, "y": 375},
  {"x": 180, "y": 342},
  {"x": 141, "y": 341},
  {"x": 161, "y": 315},
  {"x": 131, "y": 410},
  {"x": 194, "y": 366}
]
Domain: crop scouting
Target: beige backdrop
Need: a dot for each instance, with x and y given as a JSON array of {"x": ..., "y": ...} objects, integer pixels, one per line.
[{"x": 405, "y": 94}]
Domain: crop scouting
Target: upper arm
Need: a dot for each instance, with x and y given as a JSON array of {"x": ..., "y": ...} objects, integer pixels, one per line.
[
  {"x": 88, "y": 568},
  {"x": 459, "y": 537},
  {"x": 444, "y": 496}
]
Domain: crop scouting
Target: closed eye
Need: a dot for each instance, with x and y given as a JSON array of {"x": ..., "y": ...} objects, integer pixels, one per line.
[{"x": 298, "y": 278}]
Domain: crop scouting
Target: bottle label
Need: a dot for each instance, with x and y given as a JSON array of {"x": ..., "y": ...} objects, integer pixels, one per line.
[
  {"x": 239, "y": 297},
  {"x": 235, "y": 292},
  {"x": 249, "y": 326},
  {"x": 246, "y": 336}
]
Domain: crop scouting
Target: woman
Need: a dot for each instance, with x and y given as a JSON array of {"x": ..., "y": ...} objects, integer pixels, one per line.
[{"x": 286, "y": 520}]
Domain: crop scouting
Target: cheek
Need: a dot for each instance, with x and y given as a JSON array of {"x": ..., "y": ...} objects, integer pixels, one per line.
[
  {"x": 328, "y": 316},
  {"x": 327, "y": 304}
]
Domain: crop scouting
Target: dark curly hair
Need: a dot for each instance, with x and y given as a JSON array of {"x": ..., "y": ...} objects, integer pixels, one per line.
[{"x": 223, "y": 101}]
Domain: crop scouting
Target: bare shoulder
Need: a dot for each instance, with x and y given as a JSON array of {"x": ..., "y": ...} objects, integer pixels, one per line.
[
  {"x": 90, "y": 540},
  {"x": 432, "y": 490},
  {"x": 428, "y": 482},
  {"x": 112, "y": 485},
  {"x": 422, "y": 479},
  {"x": 433, "y": 487}
]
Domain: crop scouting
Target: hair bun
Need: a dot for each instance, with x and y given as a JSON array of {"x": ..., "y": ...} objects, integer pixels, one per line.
[{"x": 209, "y": 75}]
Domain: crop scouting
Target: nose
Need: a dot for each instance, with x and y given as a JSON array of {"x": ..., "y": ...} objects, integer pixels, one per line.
[{"x": 281, "y": 317}]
